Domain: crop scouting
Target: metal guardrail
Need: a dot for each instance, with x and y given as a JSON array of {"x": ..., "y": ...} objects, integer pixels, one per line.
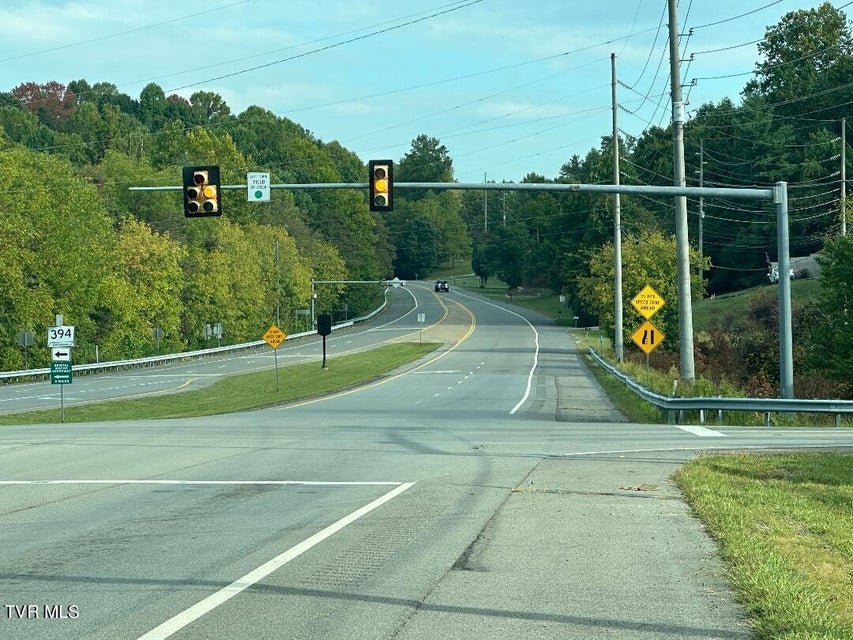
[
  {"x": 705, "y": 403},
  {"x": 152, "y": 361}
]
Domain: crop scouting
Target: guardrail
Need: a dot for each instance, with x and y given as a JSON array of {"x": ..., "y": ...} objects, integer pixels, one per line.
[
  {"x": 767, "y": 406},
  {"x": 152, "y": 361}
]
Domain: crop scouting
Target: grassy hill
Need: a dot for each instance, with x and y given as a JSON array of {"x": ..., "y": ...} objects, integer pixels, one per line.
[{"x": 737, "y": 303}]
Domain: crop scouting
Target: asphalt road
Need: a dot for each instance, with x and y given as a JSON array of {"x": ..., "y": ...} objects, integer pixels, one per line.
[{"x": 489, "y": 490}]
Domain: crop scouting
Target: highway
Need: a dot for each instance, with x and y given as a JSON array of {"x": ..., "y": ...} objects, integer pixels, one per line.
[{"x": 429, "y": 504}]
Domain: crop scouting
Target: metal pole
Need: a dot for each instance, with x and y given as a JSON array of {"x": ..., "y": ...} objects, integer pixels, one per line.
[
  {"x": 685, "y": 303},
  {"x": 617, "y": 229},
  {"x": 786, "y": 357},
  {"x": 312, "y": 305},
  {"x": 701, "y": 201},
  {"x": 843, "y": 176}
]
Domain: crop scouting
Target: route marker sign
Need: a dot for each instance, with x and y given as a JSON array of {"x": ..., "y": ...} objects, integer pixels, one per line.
[
  {"x": 274, "y": 337},
  {"x": 648, "y": 337},
  {"x": 648, "y": 302},
  {"x": 62, "y": 336},
  {"x": 258, "y": 186}
]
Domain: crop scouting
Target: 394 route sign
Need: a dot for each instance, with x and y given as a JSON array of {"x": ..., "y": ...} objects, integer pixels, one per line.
[{"x": 62, "y": 336}]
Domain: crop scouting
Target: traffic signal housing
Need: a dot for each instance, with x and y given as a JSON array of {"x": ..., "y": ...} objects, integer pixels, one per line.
[
  {"x": 202, "y": 192},
  {"x": 381, "y": 174}
]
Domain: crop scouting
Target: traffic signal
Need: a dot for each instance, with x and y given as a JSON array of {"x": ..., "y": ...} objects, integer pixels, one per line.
[
  {"x": 202, "y": 192},
  {"x": 324, "y": 324},
  {"x": 381, "y": 185}
]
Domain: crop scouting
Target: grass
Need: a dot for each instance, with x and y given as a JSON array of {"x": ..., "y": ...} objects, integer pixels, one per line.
[
  {"x": 783, "y": 523},
  {"x": 243, "y": 392},
  {"x": 737, "y": 303}
]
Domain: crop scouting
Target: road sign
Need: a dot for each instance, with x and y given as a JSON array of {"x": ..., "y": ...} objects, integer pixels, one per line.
[
  {"x": 648, "y": 337},
  {"x": 60, "y": 372},
  {"x": 274, "y": 337},
  {"x": 258, "y": 186},
  {"x": 62, "y": 336},
  {"x": 60, "y": 354},
  {"x": 647, "y": 302}
]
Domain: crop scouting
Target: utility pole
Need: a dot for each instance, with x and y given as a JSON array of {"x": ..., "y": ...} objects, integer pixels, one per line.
[
  {"x": 685, "y": 304},
  {"x": 843, "y": 176},
  {"x": 617, "y": 228},
  {"x": 485, "y": 209},
  {"x": 701, "y": 200}
]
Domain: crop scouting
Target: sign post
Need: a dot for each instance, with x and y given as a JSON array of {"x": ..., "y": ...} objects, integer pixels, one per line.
[{"x": 324, "y": 328}]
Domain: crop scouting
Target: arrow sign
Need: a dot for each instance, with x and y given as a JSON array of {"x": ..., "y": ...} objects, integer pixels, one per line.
[{"x": 60, "y": 354}]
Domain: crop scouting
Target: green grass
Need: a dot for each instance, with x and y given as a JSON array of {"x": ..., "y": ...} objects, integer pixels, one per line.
[
  {"x": 736, "y": 304},
  {"x": 243, "y": 392},
  {"x": 783, "y": 523}
]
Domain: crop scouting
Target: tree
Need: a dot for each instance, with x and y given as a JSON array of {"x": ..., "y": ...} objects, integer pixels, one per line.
[
  {"x": 142, "y": 293},
  {"x": 417, "y": 254},
  {"x": 56, "y": 243},
  {"x": 52, "y": 102},
  {"x": 799, "y": 52},
  {"x": 427, "y": 161},
  {"x": 833, "y": 338},
  {"x": 507, "y": 251}
]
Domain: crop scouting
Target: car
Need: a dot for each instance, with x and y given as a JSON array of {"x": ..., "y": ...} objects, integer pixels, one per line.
[{"x": 441, "y": 285}]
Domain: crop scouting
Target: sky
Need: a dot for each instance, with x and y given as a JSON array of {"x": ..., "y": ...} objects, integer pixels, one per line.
[{"x": 508, "y": 87}]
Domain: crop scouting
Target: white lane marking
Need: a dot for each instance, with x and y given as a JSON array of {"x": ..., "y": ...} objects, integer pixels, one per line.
[
  {"x": 437, "y": 371},
  {"x": 696, "y": 430},
  {"x": 535, "y": 352},
  {"x": 210, "y": 482},
  {"x": 178, "y": 622}
]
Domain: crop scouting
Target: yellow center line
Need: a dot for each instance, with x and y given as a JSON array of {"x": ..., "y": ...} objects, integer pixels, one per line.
[{"x": 340, "y": 394}]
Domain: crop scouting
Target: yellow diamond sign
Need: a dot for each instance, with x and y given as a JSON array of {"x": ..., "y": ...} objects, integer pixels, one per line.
[
  {"x": 648, "y": 337},
  {"x": 274, "y": 337},
  {"x": 647, "y": 302}
]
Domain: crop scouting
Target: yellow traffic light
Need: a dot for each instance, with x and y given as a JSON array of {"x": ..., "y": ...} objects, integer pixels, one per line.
[
  {"x": 381, "y": 174},
  {"x": 201, "y": 192}
]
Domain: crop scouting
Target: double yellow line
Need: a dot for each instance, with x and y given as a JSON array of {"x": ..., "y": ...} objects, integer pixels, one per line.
[{"x": 472, "y": 325}]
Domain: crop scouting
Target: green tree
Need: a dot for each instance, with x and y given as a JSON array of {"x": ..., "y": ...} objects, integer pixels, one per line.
[
  {"x": 800, "y": 51},
  {"x": 507, "y": 250},
  {"x": 427, "y": 161},
  {"x": 417, "y": 255},
  {"x": 56, "y": 244},
  {"x": 833, "y": 337}
]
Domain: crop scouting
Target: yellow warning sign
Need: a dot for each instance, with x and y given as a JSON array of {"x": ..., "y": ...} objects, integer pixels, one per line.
[
  {"x": 647, "y": 302},
  {"x": 648, "y": 337},
  {"x": 274, "y": 337}
]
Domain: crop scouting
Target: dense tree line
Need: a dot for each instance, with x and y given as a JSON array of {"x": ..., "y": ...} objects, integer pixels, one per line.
[{"x": 134, "y": 275}]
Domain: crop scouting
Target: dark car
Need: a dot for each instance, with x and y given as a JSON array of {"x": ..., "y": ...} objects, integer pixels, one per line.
[{"x": 441, "y": 285}]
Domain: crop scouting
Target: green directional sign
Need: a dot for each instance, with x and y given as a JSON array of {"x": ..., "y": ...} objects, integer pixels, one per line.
[{"x": 60, "y": 372}]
